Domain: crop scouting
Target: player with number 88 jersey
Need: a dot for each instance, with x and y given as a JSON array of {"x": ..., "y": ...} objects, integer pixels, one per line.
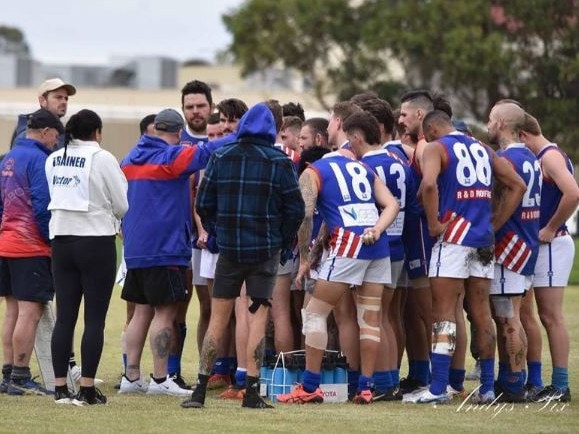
[
  {"x": 456, "y": 193},
  {"x": 467, "y": 179}
]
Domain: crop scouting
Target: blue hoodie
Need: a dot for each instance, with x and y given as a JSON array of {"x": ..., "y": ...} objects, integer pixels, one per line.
[
  {"x": 157, "y": 227},
  {"x": 250, "y": 193}
]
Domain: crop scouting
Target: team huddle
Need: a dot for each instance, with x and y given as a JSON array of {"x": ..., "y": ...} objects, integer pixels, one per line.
[{"x": 374, "y": 232}]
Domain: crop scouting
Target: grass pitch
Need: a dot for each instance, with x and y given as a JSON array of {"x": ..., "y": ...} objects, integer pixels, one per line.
[{"x": 155, "y": 414}]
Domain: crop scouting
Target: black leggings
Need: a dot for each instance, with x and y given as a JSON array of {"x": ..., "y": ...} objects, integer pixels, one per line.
[{"x": 81, "y": 266}]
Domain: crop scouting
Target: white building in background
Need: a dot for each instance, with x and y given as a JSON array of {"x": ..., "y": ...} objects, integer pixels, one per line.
[
  {"x": 17, "y": 69},
  {"x": 154, "y": 73},
  {"x": 80, "y": 75},
  {"x": 143, "y": 73}
]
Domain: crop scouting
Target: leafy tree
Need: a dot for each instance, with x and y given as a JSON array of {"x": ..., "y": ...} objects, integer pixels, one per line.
[
  {"x": 318, "y": 38},
  {"x": 15, "y": 40},
  {"x": 475, "y": 51}
]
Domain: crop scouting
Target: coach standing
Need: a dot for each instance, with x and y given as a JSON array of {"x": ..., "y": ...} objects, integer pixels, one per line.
[{"x": 250, "y": 192}]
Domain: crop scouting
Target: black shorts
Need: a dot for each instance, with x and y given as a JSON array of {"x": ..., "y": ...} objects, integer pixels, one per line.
[
  {"x": 259, "y": 278},
  {"x": 27, "y": 279},
  {"x": 155, "y": 286}
]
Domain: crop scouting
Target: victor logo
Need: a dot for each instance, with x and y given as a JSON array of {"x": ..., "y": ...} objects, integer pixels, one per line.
[{"x": 66, "y": 181}]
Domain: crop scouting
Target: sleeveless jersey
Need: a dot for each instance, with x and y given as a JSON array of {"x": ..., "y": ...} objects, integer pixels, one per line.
[
  {"x": 517, "y": 241},
  {"x": 464, "y": 186},
  {"x": 550, "y": 194},
  {"x": 346, "y": 203},
  {"x": 394, "y": 174},
  {"x": 395, "y": 147}
]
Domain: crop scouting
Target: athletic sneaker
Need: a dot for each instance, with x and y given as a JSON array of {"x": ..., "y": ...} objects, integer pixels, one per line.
[
  {"x": 514, "y": 398},
  {"x": 80, "y": 399},
  {"x": 409, "y": 385},
  {"x": 76, "y": 373},
  {"x": 167, "y": 387},
  {"x": 363, "y": 397},
  {"x": 63, "y": 397},
  {"x": 389, "y": 395},
  {"x": 233, "y": 392},
  {"x": 180, "y": 382},
  {"x": 553, "y": 393},
  {"x": 4, "y": 386},
  {"x": 253, "y": 400},
  {"x": 136, "y": 386},
  {"x": 452, "y": 393},
  {"x": 300, "y": 396},
  {"x": 219, "y": 381},
  {"x": 484, "y": 398},
  {"x": 26, "y": 387},
  {"x": 532, "y": 391},
  {"x": 503, "y": 395},
  {"x": 474, "y": 375},
  {"x": 424, "y": 396},
  {"x": 196, "y": 400},
  {"x": 408, "y": 395}
]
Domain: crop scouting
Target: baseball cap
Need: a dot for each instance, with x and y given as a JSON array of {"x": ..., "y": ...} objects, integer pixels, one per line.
[
  {"x": 169, "y": 120},
  {"x": 42, "y": 118},
  {"x": 53, "y": 84}
]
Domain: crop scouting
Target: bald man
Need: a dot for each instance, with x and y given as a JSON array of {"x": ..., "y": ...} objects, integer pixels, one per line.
[{"x": 516, "y": 251}]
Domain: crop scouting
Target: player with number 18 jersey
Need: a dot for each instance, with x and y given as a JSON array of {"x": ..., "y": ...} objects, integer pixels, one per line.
[{"x": 347, "y": 205}]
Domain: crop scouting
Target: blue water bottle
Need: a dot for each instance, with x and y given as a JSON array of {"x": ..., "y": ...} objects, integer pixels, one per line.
[
  {"x": 327, "y": 376},
  {"x": 340, "y": 375}
]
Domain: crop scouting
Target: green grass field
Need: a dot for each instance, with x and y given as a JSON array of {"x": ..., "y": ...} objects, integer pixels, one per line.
[
  {"x": 574, "y": 277},
  {"x": 144, "y": 414}
]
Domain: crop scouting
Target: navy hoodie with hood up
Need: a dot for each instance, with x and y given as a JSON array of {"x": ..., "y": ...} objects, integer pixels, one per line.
[{"x": 250, "y": 193}]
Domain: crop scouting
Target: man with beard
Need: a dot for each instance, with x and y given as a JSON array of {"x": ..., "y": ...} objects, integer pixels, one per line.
[
  {"x": 53, "y": 96},
  {"x": 516, "y": 251},
  {"x": 230, "y": 112},
  {"x": 417, "y": 318},
  {"x": 197, "y": 105}
]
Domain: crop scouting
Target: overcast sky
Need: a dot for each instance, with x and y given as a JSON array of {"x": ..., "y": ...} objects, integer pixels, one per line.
[{"x": 94, "y": 31}]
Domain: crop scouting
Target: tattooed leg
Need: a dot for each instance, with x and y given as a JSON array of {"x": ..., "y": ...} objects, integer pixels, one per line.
[
  {"x": 256, "y": 340},
  {"x": 160, "y": 338}
]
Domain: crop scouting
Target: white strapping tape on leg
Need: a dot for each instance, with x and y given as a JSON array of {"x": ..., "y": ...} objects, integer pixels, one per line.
[
  {"x": 368, "y": 304},
  {"x": 444, "y": 337},
  {"x": 503, "y": 307},
  {"x": 315, "y": 325}
]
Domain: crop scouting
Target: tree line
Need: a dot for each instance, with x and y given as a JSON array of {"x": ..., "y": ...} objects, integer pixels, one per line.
[{"x": 475, "y": 52}]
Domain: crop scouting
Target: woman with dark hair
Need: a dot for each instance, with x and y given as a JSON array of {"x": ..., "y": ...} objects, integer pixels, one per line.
[{"x": 88, "y": 197}]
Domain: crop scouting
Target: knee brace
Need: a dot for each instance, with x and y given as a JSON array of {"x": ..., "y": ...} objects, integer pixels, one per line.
[
  {"x": 503, "y": 307},
  {"x": 368, "y": 330},
  {"x": 444, "y": 337},
  {"x": 315, "y": 326}
]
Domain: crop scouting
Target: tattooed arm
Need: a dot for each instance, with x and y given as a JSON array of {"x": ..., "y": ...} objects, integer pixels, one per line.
[{"x": 309, "y": 185}]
